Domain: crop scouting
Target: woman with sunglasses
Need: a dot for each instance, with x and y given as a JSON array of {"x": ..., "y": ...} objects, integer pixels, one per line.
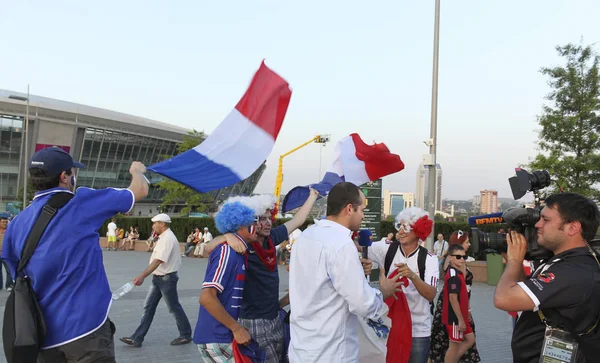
[{"x": 439, "y": 335}]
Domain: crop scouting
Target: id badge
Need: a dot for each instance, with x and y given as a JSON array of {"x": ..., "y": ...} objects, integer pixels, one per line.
[{"x": 559, "y": 347}]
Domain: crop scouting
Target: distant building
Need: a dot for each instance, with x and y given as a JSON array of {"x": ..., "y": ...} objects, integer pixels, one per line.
[
  {"x": 105, "y": 141},
  {"x": 422, "y": 195},
  {"x": 395, "y": 202},
  {"x": 489, "y": 201}
]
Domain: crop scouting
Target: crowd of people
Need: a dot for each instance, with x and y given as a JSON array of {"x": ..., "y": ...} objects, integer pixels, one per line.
[{"x": 332, "y": 306}]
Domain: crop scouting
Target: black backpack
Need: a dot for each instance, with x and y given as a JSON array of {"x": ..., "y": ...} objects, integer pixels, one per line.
[
  {"x": 391, "y": 252},
  {"x": 24, "y": 328}
]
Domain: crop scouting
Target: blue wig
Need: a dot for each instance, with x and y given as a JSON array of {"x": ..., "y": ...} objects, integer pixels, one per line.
[{"x": 233, "y": 216}]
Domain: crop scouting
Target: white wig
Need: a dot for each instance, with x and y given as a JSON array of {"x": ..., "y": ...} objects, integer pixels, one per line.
[
  {"x": 258, "y": 203},
  {"x": 416, "y": 219},
  {"x": 411, "y": 215},
  {"x": 262, "y": 203}
]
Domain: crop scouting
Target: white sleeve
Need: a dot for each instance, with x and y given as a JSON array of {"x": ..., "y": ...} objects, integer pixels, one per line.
[
  {"x": 432, "y": 270},
  {"x": 346, "y": 274},
  {"x": 377, "y": 253}
]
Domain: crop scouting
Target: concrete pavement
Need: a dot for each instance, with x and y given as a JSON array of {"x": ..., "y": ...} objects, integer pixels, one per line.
[{"x": 493, "y": 326}]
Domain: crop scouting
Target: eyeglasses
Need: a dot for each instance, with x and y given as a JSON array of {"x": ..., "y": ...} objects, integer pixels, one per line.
[
  {"x": 460, "y": 257},
  {"x": 405, "y": 227}
]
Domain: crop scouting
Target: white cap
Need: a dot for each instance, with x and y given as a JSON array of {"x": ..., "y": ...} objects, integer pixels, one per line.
[
  {"x": 161, "y": 218},
  {"x": 206, "y": 228}
]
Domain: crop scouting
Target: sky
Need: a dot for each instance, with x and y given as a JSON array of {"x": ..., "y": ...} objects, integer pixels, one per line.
[{"x": 353, "y": 67}]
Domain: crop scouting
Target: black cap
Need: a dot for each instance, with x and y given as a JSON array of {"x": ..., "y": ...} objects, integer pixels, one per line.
[{"x": 53, "y": 160}]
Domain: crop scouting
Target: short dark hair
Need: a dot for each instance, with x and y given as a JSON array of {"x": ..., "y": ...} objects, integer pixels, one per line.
[
  {"x": 41, "y": 181},
  {"x": 573, "y": 207},
  {"x": 340, "y": 196},
  {"x": 454, "y": 248}
]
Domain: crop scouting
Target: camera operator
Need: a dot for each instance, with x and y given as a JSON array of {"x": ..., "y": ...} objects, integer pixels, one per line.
[{"x": 562, "y": 295}]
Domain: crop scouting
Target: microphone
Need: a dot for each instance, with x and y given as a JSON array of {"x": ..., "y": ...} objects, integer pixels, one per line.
[{"x": 365, "y": 239}]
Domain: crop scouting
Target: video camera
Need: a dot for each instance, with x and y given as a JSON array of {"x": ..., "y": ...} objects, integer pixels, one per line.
[{"x": 519, "y": 219}]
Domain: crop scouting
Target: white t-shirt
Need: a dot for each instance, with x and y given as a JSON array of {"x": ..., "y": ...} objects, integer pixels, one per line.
[
  {"x": 207, "y": 237},
  {"x": 167, "y": 250},
  {"x": 439, "y": 248},
  {"x": 112, "y": 229},
  {"x": 418, "y": 305}
]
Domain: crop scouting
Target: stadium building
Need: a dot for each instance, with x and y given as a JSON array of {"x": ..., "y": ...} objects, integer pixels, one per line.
[{"x": 105, "y": 141}]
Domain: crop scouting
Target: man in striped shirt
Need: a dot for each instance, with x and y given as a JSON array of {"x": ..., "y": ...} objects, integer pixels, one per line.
[{"x": 223, "y": 288}]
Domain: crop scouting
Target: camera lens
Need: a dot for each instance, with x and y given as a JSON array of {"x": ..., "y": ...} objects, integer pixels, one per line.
[{"x": 539, "y": 179}]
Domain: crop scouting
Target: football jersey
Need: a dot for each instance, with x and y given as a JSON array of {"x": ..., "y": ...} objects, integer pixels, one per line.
[
  {"x": 226, "y": 272},
  {"x": 419, "y": 306},
  {"x": 454, "y": 283}
]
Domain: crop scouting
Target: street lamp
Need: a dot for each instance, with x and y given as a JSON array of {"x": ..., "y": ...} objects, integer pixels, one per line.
[
  {"x": 25, "y": 136},
  {"x": 433, "y": 128}
]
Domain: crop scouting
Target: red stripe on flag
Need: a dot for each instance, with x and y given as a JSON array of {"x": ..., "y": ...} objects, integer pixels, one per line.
[
  {"x": 378, "y": 159},
  {"x": 266, "y": 100}
]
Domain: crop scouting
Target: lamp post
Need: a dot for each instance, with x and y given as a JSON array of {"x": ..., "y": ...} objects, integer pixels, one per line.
[
  {"x": 26, "y": 143},
  {"x": 433, "y": 129}
]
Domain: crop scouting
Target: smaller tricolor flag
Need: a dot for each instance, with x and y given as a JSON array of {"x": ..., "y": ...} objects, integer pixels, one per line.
[
  {"x": 240, "y": 144},
  {"x": 355, "y": 162}
]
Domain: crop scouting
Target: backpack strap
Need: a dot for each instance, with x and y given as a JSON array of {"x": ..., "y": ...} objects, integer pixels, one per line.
[
  {"x": 389, "y": 256},
  {"x": 421, "y": 259},
  {"x": 49, "y": 210}
]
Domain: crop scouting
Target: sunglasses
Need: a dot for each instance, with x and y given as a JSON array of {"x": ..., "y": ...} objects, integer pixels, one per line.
[
  {"x": 404, "y": 227},
  {"x": 460, "y": 257}
]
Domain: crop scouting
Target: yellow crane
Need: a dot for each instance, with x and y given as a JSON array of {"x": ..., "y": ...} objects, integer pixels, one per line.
[{"x": 319, "y": 139}]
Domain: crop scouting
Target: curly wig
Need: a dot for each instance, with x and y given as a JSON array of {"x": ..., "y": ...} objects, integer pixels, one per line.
[
  {"x": 232, "y": 216},
  {"x": 416, "y": 219}
]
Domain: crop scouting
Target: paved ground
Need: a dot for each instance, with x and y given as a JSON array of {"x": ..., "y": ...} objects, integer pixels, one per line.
[{"x": 493, "y": 327}]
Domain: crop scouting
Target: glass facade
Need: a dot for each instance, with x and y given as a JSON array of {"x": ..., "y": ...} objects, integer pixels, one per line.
[
  {"x": 397, "y": 206},
  {"x": 11, "y": 132},
  {"x": 107, "y": 156}
]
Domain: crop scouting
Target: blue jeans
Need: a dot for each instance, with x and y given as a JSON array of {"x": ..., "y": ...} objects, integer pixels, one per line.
[
  {"x": 163, "y": 286},
  {"x": 419, "y": 352}
]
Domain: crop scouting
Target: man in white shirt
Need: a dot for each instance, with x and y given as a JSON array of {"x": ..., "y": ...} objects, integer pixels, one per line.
[
  {"x": 164, "y": 264},
  {"x": 111, "y": 234},
  {"x": 440, "y": 249},
  {"x": 206, "y": 238},
  {"x": 328, "y": 289},
  {"x": 413, "y": 224}
]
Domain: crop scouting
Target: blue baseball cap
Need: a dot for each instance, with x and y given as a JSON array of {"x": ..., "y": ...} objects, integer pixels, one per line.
[{"x": 53, "y": 160}]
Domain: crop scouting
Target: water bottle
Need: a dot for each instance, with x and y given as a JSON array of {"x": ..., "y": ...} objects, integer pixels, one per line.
[{"x": 122, "y": 290}]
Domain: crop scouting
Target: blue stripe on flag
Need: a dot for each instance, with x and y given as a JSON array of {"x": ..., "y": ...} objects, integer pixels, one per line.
[
  {"x": 297, "y": 196},
  {"x": 196, "y": 171}
]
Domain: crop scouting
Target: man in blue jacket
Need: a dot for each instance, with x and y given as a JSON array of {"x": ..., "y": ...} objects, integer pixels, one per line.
[{"x": 66, "y": 269}]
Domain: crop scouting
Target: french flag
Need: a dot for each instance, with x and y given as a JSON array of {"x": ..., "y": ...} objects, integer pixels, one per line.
[
  {"x": 240, "y": 144},
  {"x": 355, "y": 162}
]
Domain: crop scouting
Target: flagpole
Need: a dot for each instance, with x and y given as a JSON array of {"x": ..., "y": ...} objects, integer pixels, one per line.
[{"x": 433, "y": 131}]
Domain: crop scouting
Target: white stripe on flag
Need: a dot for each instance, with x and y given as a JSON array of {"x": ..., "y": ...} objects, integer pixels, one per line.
[
  {"x": 354, "y": 169},
  {"x": 237, "y": 144}
]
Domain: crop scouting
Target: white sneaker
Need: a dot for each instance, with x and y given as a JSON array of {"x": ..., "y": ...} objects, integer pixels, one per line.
[{"x": 9, "y": 289}]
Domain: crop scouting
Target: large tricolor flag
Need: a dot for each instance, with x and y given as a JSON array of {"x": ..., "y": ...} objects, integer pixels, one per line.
[
  {"x": 240, "y": 144},
  {"x": 355, "y": 162}
]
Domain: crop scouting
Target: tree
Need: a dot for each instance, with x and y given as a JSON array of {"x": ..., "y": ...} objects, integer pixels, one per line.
[
  {"x": 177, "y": 192},
  {"x": 569, "y": 139}
]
